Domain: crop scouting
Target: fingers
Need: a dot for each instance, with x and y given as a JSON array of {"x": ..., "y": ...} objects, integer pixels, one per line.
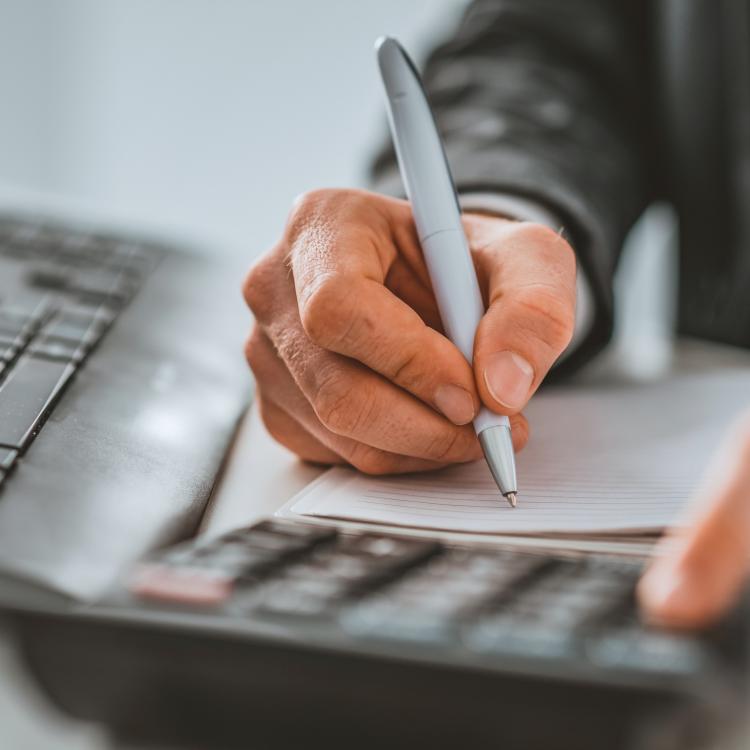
[
  {"x": 345, "y": 398},
  {"x": 354, "y": 402},
  {"x": 701, "y": 569},
  {"x": 530, "y": 274},
  {"x": 285, "y": 429},
  {"x": 339, "y": 275},
  {"x": 347, "y": 353},
  {"x": 282, "y": 392}
]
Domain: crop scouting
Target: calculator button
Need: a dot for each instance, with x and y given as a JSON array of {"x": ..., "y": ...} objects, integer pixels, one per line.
[
  {"x": 506, "y": 634},
  {"x": 386, "y": 554},
  {"x": 649, "y": 651},
  {"x": 180, "y": 585},
  {"x": 382, "y": 618}
]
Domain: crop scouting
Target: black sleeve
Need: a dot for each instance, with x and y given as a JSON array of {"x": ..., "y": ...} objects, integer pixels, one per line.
[{"x": 547, "y": 99}]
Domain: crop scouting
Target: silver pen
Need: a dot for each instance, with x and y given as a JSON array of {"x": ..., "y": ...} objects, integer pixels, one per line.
[{"x": 437, "y": 215}]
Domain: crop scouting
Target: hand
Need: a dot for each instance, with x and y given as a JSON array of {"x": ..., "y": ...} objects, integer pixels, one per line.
[
  {"x": 348, "y": 351},
  {"x": 701, "y": 568}
]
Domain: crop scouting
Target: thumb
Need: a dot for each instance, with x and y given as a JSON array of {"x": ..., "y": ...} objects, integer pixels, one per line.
[{"x": 529, "y": 272}]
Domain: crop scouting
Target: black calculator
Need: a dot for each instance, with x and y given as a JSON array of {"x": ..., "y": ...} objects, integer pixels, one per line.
[{"x": 297, "y": 634}]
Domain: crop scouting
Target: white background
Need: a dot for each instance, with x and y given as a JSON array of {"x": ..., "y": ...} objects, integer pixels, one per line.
[{"x": 204, "y": 118}]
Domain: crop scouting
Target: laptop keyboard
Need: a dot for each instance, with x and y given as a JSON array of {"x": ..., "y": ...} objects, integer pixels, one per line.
[
  {"x": 72, "y": 286},
  {"x": 374, "y": 587}
]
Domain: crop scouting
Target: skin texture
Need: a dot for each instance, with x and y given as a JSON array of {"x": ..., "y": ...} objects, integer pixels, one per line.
[
  {"x": 348, "y": 351},
  {"x": 352, "y": 367}
]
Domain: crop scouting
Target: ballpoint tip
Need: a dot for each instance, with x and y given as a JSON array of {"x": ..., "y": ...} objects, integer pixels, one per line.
[{"x": 511, "y": 498}]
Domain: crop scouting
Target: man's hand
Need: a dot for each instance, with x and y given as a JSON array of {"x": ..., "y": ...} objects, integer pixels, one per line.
[
  {"x": 702, "y": 567},
  {"x": 348, "y": 351}
]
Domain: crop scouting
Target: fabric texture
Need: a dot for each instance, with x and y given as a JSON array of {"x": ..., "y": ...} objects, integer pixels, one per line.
[{"x": 594, "y": 108}]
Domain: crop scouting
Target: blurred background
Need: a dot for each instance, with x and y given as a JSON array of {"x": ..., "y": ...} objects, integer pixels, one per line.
[{"x": 202, "y": 120}]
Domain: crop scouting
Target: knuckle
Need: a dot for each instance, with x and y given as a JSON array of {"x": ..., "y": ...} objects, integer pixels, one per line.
[
  {"x": 309, "y": 206},
  {"x": 445, "y": 445},
  {"x": 269, "y": 417},
  {"x": 539, "y": 234},
  {"x": 326, "y": 312},
  {"x": 257, "y": 286},
  {"x": 341, "y": 408},
  {"x": 405, "y": 370},
  {"x": 370, "y": 460},
  {"x": 307, "y": 201},
  {"x": 255, "y": 350},
  {"x": 550, "y": 314},
  {"x": 546, "y": 240}
]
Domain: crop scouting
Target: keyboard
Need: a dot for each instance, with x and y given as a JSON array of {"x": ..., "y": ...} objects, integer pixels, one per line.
[
  {"x": 72, "y": 289},
  {"x": 122, "y": 381}
]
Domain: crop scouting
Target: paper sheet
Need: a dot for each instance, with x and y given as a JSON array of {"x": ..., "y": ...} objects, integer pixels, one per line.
[{"x": 622, "y": 459}]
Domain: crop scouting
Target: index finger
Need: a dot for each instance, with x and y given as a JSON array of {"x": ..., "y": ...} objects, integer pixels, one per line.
[{"x": 345, "y": 306}]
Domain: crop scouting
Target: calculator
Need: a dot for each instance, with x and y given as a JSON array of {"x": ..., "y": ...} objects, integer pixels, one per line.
[{"x": 292, "y": 633}]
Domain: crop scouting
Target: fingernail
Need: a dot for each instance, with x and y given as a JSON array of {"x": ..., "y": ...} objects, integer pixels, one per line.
[
  {"x": 456, "y": 403},
  {"x": 508, "y": 378}
]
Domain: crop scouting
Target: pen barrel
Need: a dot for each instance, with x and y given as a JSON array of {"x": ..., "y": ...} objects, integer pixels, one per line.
[{"x": 454, "y": 282}]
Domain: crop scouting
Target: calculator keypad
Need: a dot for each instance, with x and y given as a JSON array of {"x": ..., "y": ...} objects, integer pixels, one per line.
[{"x": 400, "y": 589}]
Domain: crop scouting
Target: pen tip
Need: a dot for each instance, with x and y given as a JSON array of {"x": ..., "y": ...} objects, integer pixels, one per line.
[{"x": 511, "y": 498}]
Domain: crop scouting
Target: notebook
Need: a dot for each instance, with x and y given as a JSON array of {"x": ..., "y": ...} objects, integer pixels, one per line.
[{"x": 617, "y": 459}]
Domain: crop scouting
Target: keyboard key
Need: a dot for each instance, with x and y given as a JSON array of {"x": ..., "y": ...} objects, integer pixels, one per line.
[
  {"x": 13, "y": 325},
  {"x": 102, "y": 286},
  {"x": 51, "y": 277},
  {"x": 9, "y": 353},
  {"x": 30, "y": 307},
  {"x": 64, "y": 351},
  {"x": 26, "y": 396},
  {"x": 7, "y": 340},
  {"x": 7, "y": 459},
  {"x": 71, "y": 327}
]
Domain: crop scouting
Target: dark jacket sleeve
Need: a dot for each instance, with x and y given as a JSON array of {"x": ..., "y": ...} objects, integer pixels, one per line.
[{"x": 547, "y": 99}]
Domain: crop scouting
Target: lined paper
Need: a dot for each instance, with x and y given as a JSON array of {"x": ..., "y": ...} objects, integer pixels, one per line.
[{"x": 616, "y": 459}]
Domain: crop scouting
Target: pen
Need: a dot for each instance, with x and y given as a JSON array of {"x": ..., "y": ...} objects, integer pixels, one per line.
[{"x": 437, "y": 215}]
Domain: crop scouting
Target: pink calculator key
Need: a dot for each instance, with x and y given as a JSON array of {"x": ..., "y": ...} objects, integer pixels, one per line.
[{"x": 181, "y": 585}]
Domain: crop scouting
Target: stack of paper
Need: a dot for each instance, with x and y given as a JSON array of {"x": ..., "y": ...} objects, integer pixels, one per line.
[{"x": 602, "y": 461}]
